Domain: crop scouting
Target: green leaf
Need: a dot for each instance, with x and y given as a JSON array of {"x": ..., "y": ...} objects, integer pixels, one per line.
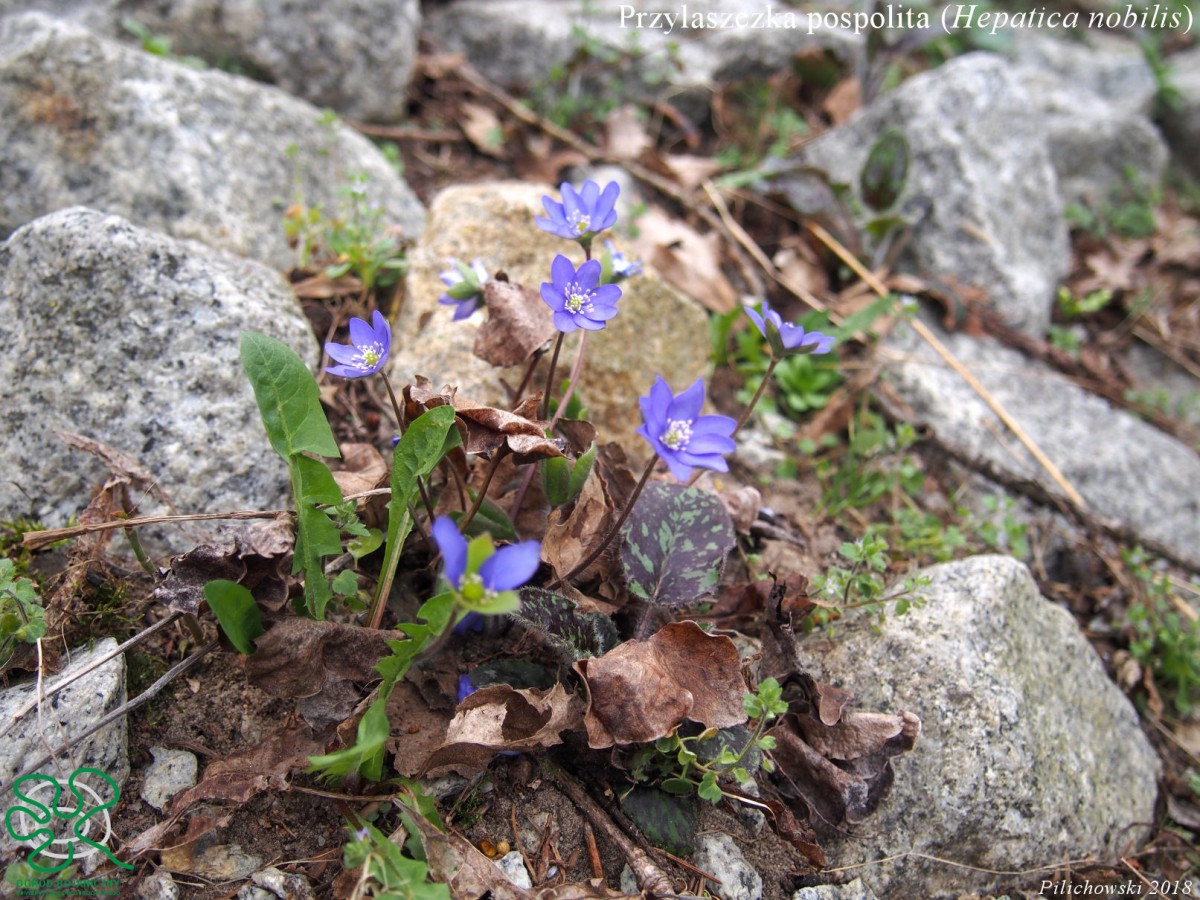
[
  {"x": 580, "y": 472},
  {"x": 366, "y": 544},
  {"x": 237, "y": 613},
  {"x": 556, "y": 479},
  {"x": 675, "y": 544},
  {"x": 490, "y": 520},
  {"x": 709, "y": 789},
  {"x": 668, "y": 821},
  {"x": 317, "y": 535},
  {"x": 435, "y": 614},
  {"x": 573, "y": 634},
  {"x": 288, "y": 398},
  {"x": 416, "y": 455},
  {"x": 886, "y": 170},
  {"x": 346, "y": 583},
  {"x": 366, "y": 755}
]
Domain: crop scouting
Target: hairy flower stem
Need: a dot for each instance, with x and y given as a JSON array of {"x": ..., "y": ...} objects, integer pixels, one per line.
[
  {"x": 481, "y": 493},
  {"x": 550, "y": 375},
  {"x": 612, "y": 532},
  {"x": 576, "y": 368},
  {"x": 387, "y": 382},
  {"x": 762, "y": 386},
  {"x": 525, "y": 379}
]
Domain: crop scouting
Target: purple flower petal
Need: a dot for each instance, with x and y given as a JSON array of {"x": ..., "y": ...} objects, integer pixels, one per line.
[
  {"x": 565, "y": 322},
  {"x": 511, "y": 567},
  {"x": 453, "y": 547},
  {"x": 688, "y": 404},
  {"x": 342, "y": 353}
]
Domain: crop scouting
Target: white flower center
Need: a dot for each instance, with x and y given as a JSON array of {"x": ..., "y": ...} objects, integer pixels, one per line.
[
  {"x": 370, "y": 355},
  {"x": 678, "y": 434},
  {"x": 578, "y": 299},
  {"x": 580, "y": 222}
]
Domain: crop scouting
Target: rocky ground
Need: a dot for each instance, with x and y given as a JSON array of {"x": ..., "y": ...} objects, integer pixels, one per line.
[{"x": 1014, "y": 433}]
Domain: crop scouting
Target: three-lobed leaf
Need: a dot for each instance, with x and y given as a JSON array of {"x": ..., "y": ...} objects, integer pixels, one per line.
[{"x": 675, "y": 544}]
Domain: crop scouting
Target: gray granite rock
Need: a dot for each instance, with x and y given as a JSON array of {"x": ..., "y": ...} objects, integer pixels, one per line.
[
  {"x": 1095, "y": 105},
  {"x": 1165, "y": 382},
  {"x": 520, "y": 42},
  {"x": 352, "y": 56},
  {"x": 853, "y": 890},
  {"x": 197, "y": 154},
  {"x": 1182, "y": 123},
  {"x": 171, "y": 772},
  {"x": 718, "y": 855},
  {"x": 979, "y": 167},
  {"x": 131, "y": 338},
  {"x": 158, "y": 885},
  {"x": 513, "y": 866},
  {"x": 1124, "y": 468},
  {"x": 272, "y": 884},
  {"x": 1028, "y": 752},
  {"x": 656, "y": 332},
  {"x": 62, "y": 716}
]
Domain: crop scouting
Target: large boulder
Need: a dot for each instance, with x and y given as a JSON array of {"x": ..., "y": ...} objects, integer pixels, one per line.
[
  {"x": 1125, "y": 469},
  {"x": 1181, "y": 119},
  {"x": 353, "y": 56},
  {"x": 682, "y": 52},
  {"x": 131, "y": 337},
  {"x": 1029, "y": 754},
  {"x": 1095, "y": 105},
  {"x": 196, "y": 154},
  {"x": 657, "y": 332},
  {"x": 980, "y": 185}
]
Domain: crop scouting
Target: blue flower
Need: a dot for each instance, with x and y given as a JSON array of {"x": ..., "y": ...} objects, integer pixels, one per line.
[
  {"x": 618, "y": 265},
  {"x": 785, "y": 338},
  {"x": 466, "y": 287},
  {"x": 577, "y": 297},
  {"x": 481, "y": 576},
  {"x": 583, "y": 214},
  {"x": 680, "y": 435},
  {"x": 465, "y": 687},
  {"x": 367, "y": 351}
]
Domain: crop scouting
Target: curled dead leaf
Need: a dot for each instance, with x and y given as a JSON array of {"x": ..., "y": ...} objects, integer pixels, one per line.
[
  {"x": 500, "y": 719},
  {"x": 642, "y": 690},
  {"x": 485, "y": 429},
  {"x": 519, "y": 323},
  {"x": 298, "y": 657}
]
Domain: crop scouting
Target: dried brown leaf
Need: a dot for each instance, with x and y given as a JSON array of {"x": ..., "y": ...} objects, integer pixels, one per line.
[
  {"x": 235, "y": 779},
  {"x": 469, "y": 874},
  {"x": 519, "y": 323},
  {"x": 572, "y": 534},
  {"x": 842, "y": 788},
  {"x": 843, "y": 101},
  {"x": 799, "y": 836},
  {"x": 691, "y": 171},
  {"x": 255, "y": 555},
  {"x": 417, "y": 730},
  {"x": 363, "y": 469},
  {"x": 321, "y": 287},
  {"x": 482, "y": 127},
  {"x": 642, "y": 690},
  {"x": 297, "y": 657},
  {"x": 625, "y": 135},
  {"x": 501, "y": 718},
  {"x": 691, "y": 262}
]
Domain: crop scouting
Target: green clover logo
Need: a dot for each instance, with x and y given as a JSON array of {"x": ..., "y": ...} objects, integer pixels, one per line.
[{"x": 32, "y": 820}]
